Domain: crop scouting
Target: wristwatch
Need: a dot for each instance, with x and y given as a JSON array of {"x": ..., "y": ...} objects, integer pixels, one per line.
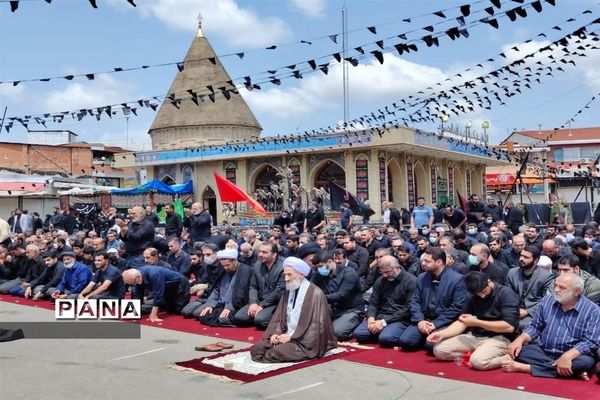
[{"x": 383, "y": 323}]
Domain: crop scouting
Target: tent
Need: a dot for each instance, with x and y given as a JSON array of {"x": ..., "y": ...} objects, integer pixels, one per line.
[{"x": 157, "y": 186}]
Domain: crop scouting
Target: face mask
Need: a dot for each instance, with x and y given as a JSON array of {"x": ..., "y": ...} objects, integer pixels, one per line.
[
  {"x": 113, "y": 259},
  {"x": 324, "y": 271},
  {"x": 473, "y": 260},
  {"x": 471, "y": 231},
  {"x": 425, "y": 231},
  {"x": 432, "y": 239},
  {"x": 489, "y": 221},
  {"x": 588, "y": 240},
  {"x": 210, "y": 260}
]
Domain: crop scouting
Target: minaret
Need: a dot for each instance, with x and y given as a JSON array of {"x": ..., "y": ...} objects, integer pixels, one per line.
[{"x": 208, "y": 122}]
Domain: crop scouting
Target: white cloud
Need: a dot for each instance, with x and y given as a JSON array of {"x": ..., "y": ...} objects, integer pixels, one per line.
[
  {"x": 588, "y": 66},
  {"x": 12, "y": 93},
  {"x": 225, "y": 19},
  {"x": 396, "y": 78},
  {"x": 136, "y": 139},
  {"x": 310, "y": 8},
  {"x": 524, "y": 49},
  {"x": 102, "y": 91}
]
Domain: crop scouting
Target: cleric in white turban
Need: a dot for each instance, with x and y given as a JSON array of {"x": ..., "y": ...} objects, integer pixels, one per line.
[
  {"x": 301, "y": 327},
  {"x": 230, "y": 291}
]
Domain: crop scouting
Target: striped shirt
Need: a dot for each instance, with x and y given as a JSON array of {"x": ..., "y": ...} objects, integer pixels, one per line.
[{"x": 557, "y": 330}]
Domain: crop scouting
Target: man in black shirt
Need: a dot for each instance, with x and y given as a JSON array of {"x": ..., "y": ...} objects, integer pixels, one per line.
[
  {"x": 315, "y": 217},
  {"x": 151, "y": 216},
  {"x": 266, "y": 287},
  {"x": 388, "y": 314},
  {"x": 198, "y": 223},
  {"x": 589, "y": 259},
  {"x": 479, "y": 259},
  {"x": 205, "y": 276},
  {"x": 490, "y": 318},
  {"x": 475, "y": 209},
  {"x": 513, "y": 217},
  {"x": 138, "y": 235},
  {"x": 455, "y": 218},
  {"x": 298, "y": 217},
  {"x": 173, "y": 222},
  {"x": 533, "y": 236}
]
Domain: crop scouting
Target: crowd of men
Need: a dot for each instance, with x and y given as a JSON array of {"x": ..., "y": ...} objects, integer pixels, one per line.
[{"x": 476, "y": 286}]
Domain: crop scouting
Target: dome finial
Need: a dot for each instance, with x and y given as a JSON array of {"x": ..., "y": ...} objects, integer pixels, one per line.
[{"x": 200, "y": 34}]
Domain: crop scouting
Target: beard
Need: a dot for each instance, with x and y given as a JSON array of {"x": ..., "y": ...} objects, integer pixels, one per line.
[
  {"x": 293, "y": 285},
  {"x": 526, "y": 266},
  {"x": 564, "y": 298}
]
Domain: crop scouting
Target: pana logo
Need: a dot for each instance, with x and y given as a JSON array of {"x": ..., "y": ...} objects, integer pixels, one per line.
[{"x": 97, "y": 309}]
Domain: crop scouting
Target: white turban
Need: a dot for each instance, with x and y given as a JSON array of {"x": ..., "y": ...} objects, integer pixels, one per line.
[
  {"x": 297, "y": 264},
  {"x": 545, "y": 262},
  {"x": 231, "y": 254}
]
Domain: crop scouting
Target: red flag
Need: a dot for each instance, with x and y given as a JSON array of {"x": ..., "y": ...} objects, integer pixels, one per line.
[
  {"x": 463, "y": 201},
  {"x": 231, "y": 193}
]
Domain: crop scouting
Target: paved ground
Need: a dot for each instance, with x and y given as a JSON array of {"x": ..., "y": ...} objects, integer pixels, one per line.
[{"x": 139, "y": 369}]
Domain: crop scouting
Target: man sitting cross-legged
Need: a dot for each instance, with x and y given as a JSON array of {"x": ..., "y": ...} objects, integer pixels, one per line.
[
  {"x": 490, "y": 317},
  {"x": 563, "y": 337}
]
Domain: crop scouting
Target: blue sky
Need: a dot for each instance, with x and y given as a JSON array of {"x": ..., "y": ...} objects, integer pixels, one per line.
[{"x": 70, "y": 37}]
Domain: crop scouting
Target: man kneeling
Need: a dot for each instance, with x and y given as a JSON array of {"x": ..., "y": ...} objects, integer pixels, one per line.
[
  {"x": 562, "y": 339},
  {"x": 301, "y": 327}
]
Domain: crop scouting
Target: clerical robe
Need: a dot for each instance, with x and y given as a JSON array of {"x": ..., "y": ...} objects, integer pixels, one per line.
[{"x": 312, "y": 336}]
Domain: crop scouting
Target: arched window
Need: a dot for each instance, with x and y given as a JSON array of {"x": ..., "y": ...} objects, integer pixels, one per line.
[
  {"x": 186, "y": 171},
  {"x": 330, "y": 171},
  {"x": 231, "y": 173},
  {"x": 267, "y": 188}
]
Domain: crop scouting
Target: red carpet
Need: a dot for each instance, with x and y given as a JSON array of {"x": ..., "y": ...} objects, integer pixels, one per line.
[
  {"x": 197, "y": 365},
  {"x": 417, "y": 362},
  {"x": 421, "y": 363}
]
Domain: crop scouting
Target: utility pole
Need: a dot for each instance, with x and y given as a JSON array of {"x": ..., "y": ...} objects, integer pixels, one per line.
[{"x": 345, "y": 64}]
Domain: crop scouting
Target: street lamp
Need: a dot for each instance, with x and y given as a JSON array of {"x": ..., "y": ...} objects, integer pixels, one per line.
[
  {"x": 485, "y": 125},
  {"x": 468, "y": 126},
  {"x": 443, "y": 118}
]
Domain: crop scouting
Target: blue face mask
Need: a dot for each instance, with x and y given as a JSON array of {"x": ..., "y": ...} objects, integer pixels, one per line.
[
  {"x": 473, "y": 260},
  {"x": 323, "y": 271}
]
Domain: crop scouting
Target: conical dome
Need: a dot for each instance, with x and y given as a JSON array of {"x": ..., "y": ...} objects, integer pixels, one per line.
[{"x": 209, "y": 122}]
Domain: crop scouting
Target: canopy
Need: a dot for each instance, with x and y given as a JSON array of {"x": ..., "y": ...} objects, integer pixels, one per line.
[{"x": 157, "y": 186}]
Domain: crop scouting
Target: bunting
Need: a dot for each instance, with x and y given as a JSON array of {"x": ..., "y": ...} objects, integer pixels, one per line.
[
  {"x": 14, "y": 4},
  {"x": 453, "y": 33},
  {"x": 197, "y": 98}
]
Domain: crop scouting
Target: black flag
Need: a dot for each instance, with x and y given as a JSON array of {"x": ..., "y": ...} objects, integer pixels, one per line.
[{"x": 340, "y": 195}]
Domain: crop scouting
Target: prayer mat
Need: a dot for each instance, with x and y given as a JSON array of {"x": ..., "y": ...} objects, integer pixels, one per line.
[{"x": 237, "y": 366}]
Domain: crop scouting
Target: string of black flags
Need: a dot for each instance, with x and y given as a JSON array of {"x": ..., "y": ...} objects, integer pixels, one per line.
[
  {"x": 196, "y": 95},
  {"x": 14, "y": 4},
  {"x": 424, "y": 113},
  {"x": 430, "y": 38}
]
